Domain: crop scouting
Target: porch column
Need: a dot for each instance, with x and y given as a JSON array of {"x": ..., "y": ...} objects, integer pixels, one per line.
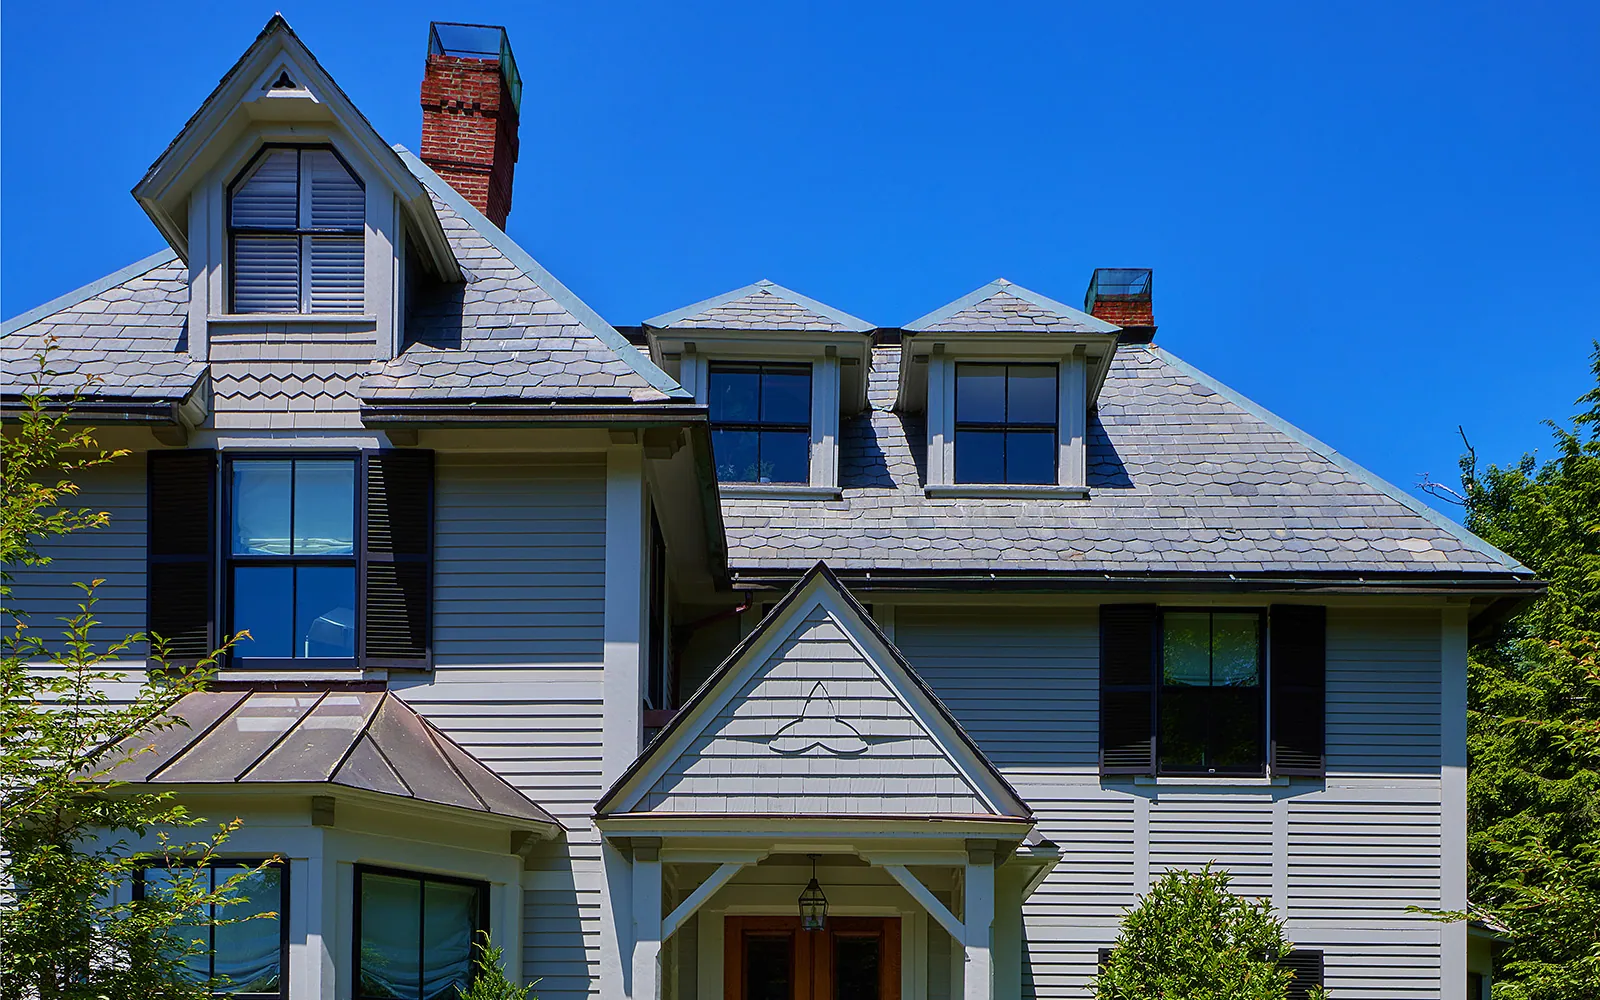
[
  {"x": 978, "y": 912},
  {"x": 646, "y": 918}
]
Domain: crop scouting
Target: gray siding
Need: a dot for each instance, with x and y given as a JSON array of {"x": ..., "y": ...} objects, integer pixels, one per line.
[{"x": 1343, "y": 858}]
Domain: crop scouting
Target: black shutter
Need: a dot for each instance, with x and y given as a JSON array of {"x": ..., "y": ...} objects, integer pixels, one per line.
[
  {"x": 1127, "y": 688},
  {"x": 1104, "y": 958},
  {"x": 397, "y": 560},
  {"x": 1299, "y": 697},
  {"x": 1307, "y": 969},
  {"x": 180, "y": 600}
]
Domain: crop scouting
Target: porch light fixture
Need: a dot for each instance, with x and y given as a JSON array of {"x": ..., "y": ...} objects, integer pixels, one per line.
[{"x": 813, "y": 904}]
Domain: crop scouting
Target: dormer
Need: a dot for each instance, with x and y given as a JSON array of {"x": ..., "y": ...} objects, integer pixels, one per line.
[
  {"x": 292, "y": 214},
  {"x": 776, "y": 370},
  {"x": 1006, "y": 377}
]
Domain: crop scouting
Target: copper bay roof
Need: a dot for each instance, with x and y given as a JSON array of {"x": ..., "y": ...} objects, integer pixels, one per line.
[{"x": 371, "y": 741}]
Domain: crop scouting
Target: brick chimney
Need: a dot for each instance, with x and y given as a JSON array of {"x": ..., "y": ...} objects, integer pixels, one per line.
[
  {"x": 1121, "y": 295},
  {"x": 471, "y": 100}
]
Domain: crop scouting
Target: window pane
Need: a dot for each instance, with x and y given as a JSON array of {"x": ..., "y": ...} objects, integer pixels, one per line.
[
  {"x": 1235, "y": 729},
  {"x": 391, "y": 926},
  {"x": 324, "y": 508},
  {"x": 1235, "y": 649},
  {"x": 980, "y": 456},
  {"x": 981, "y": 396},
  {"x": 1031, "y": 394},
  {"x": 337, "y": 201},
  {"x": 261, "y": 604},
  {"x": 734, "y": 396},
  {"x": 324, "y": 614},
  {"x": 266, "y": 274},
  {"x": 735, "y": 453},
  {"x": 1183, "y": 728},
  {"x": 193, "y": 939},
  {"x": 786, "y": 398},
  {"x": 855, "y": 968},
  {"x": 268, "y": 198},
  {"x": 1031, "y": 457},
  {"x": 248, "y": 950},
  {"x": 1186, "y": 648},
  {"x": 261, "y": 507},
  {"x": 785, "y": 456},
  {"x": 449, "y": 915},
  {"x": 337, "y": 267}
]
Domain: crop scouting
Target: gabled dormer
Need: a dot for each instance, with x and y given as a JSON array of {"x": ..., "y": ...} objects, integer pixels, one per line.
[
  {"x": 294, "y": 217},
  {"x": 1006, "y": 377},
  {"x": 776, "y": 369}
]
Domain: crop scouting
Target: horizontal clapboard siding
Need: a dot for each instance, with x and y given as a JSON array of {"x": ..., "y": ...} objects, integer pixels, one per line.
[
  {"x": 1347, "y": 854},
  {"x": 519, "y": 573}
]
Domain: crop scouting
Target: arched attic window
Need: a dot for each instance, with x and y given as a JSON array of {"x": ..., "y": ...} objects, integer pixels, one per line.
[{"x": 296, "y": 234}]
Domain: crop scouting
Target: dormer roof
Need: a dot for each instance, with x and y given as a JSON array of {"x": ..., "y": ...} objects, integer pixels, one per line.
[
  {"x": 276, "y": 87},
  {"x": 1003, "y": 307},
  {"x": 761, "y": 306}
]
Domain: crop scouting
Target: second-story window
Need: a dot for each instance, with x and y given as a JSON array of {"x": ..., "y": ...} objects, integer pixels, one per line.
[
  {"x": 761, "y": 422},
  {"x": 1006, "y": 424},
  {"x": 295, "y": 223},
  {"x": 1212, "y": 713},
  {"x": 292, "y": 560}
]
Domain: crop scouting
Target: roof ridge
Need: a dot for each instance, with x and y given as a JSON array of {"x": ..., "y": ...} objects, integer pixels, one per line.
[
  {"x": 995, "y": 287},
  {"x": 766, "y": 286},
  {"x": 1338, "y": 459},
  {"x": 61, "y": 303},
  {"x": 580, "y": 310}
]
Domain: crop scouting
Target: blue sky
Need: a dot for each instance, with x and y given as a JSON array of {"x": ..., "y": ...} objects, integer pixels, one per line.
[{"x": 1380, "y": 221}]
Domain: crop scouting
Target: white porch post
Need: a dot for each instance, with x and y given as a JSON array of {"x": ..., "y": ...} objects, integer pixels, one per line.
[
  {"x": 1453, "y": 798},
  {"x": 979, "y": 919},
  {"x": 646, "y": 918}
]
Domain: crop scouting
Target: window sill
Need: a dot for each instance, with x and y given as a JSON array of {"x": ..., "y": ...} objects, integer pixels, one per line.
[
  {"x": 1214, "y": 780},
  {"x": 777, "y": 491},
  {"x": 1007, "y": 491},
  {"x": 296, "y": 319}
]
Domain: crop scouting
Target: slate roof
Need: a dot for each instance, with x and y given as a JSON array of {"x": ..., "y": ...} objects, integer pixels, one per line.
[
  {"x": 1003, "y": 307},
  {"x": 1184, "y": 477},
  {"x": 366, "y": 740},
  {"x": 128, "y": 332},
  {"x": 761, "y": 306}
]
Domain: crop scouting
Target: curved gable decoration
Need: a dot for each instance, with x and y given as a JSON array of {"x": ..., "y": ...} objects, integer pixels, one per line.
[
  {"x": 815, "y": 714},
  {"x": 278, "y": 91}
]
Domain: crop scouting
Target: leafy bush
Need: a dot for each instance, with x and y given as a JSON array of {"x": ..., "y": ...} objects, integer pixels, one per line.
[{"x": 491, "y": 982}]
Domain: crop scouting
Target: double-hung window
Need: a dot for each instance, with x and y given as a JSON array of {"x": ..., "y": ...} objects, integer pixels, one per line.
[
  {"x": 414, "y": 934},
  {"x": 296, "y": 224},
  {"x": 1006, "y": 417},
  {"x": 242, "y": 948},
  {"x": 1212, "y": 704},
  {"x": 761, "y": 422},
  {"x": 292, "y": 560}
]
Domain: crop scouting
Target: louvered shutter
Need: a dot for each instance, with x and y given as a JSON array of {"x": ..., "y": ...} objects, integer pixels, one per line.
[
  {"x": 397, "y": 560},
  {"x": 179, "y": 546},
  {"x": 334, "y": 272},
  {"x": 266, "y": 273},
  {"x": 1127, "y": 688},
  {"x": 269, "y": 197},
  {"x": 1298, "y": 677},
  {"x": 334, "y": 263},
  {"x": 1307, "y": 968}
]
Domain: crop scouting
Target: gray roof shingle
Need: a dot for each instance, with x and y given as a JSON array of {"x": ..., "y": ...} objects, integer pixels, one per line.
[
  {"x": 1003, "y": 307},
  {"x": 761, "y": 306},
  {"x": 1184, "y": 477}
]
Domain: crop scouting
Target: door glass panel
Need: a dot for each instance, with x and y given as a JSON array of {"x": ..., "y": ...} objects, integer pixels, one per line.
[
  {"x": 768, "y": 961},
  {"x": 855, "y": 967}
]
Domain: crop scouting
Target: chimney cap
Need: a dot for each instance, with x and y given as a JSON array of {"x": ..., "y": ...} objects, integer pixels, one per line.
[
  {"x": 1124, "y": 283},
  {"x": 488, "y": 42}
]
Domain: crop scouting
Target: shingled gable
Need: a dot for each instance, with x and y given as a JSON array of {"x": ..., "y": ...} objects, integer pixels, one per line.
[
  {"x": 1003, "y": 307},
  {"x": 814, "y": 713},
  {"x": 252, "y": 96},
  {"x": 760, "y": 306}
]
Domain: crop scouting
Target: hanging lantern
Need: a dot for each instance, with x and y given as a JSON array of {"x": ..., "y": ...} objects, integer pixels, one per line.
[{"x": 813, "y": 904}]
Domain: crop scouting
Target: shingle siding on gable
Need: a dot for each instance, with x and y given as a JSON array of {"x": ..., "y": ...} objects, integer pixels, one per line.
[
  {"x": 732, "y": 767},
  {"x": 759, "y": 310},
  {"x": 1006, "y": 313}
]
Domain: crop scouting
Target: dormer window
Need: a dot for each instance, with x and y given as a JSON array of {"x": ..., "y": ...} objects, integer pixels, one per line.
[
  {"x": 1006, "y": 423},
  {"x": 296, "y": 232},
  {"x": 761, "y": 422}
]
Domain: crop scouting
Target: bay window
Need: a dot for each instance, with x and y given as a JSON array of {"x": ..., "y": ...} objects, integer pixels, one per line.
[
  {"x": 296, "y": 225},
  {"x": 246, "y": 955},
  {"x": 415, "y": 934}
]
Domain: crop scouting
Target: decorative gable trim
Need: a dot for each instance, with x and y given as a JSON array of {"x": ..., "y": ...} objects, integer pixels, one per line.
[
  {"x": 686, "y": 317},
  {"x": 815, "y": 730}
]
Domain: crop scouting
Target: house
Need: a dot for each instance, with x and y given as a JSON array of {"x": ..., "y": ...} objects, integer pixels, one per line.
[{"x": 754, "y": 651}]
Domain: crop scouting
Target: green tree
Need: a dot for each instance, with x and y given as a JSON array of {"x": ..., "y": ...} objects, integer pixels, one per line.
[
  {"x": 490, "y": 982},
  {"x": 1533, "y": 788},
  {"x": 1191, "y": 938},
  {"x": 66, "y": 862}
]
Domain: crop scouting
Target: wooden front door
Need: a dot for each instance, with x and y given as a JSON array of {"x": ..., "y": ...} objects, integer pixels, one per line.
[{"x": 771, "y": 958}]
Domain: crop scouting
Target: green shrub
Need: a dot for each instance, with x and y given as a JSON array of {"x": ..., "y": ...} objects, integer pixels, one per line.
[{"x": 491, "y": 982}]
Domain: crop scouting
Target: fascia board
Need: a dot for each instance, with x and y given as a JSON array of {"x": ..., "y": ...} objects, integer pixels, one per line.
[
  {"x": 592, "y": 321},
  {"x": 89, "y": 291},
  {"x": 1328, "y": 452},
  {"x": 897, "y": 830}
]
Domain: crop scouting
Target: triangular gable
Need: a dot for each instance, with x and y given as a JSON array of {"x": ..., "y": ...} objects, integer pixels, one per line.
[
  {"x": 251, "y": 95},
  {"x": 763, "y": 305},
  {"x": 1003, "y": 307},
  {"x": 814, "y": 714}
]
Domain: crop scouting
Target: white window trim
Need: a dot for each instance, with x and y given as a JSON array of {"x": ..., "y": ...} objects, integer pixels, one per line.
[
  {"x": 1071, "y": 430},
  {"x": 823, "y": 483}
]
